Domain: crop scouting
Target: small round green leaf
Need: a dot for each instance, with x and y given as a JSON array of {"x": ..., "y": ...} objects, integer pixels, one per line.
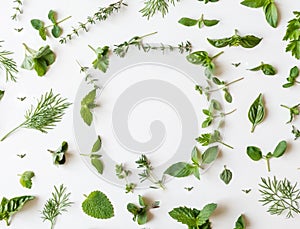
[
  {"x": 56, "y": 31},
  {"x": 37, "y": 24},
  {"x": 254, "y": 153},
  {"x": 280, "y": 149}
]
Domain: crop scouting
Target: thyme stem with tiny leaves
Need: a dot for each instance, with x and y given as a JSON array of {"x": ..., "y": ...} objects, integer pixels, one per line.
[
  {"x": 18, "y": 9},
  {"x": 226, "y": 85},
  {"x": 101, "y": 15}
]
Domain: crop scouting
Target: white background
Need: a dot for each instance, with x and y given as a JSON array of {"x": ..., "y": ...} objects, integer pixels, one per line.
[{"x": 64, "y": 78}]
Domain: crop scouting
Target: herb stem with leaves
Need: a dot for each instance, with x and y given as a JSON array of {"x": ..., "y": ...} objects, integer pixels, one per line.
[{"x": 8, "y": 65}]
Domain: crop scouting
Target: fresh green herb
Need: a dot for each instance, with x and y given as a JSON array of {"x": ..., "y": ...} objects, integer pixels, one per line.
[
  {"x": 102, "y": 60},
  {"x": 43, "y": 30},
  {"x": 236, "y": 64},
  {"x": 226, "y": 175},
  {"x": 246, "y": 190},
  {"x": 8, "y": 65},
  {"x": 224, "y": 86},
  {"x": 97, "y": 205},
  {"x": 294, "y": 110},
  {"x": 87, "y": 104},
  {"x": 49, "y": 110},
  {"x": 101, "y": 15},
  {"x": 95, "y": 158},
  {"x": 269, "y": 7},
  {"x": 25, "y": 179},
  {"x": 292, "y": 35},
  {"x": 292, "y": 79},
  {"x": 122, "y": 173},
  {"x": 207, "y": 1},
  {"x": 240, "y": 223},
  {"x": 189, "y": 188},
  {"x": 88, "y": 77},
  {"x": 18, "y": 9},
  {"x": 202, "y": 58},
  {"x": 210, "y": 138},
  {"x": 200, "y": 22},
  {"x": 59, "y": 155},
  {"x": 248, "y": 41},
  {"x": 296, "y": 132},
  {"x": 255, "y": 153},
  {"x": 214, "y": 112},
  {"x": 183, "y": 169},
  {"x": 1, "y": 94},
  {"x": 194, "y": 218},
  {"x": 56, "y": 205},
  {"x": 256, "y": 112},
  {"x": 19, "y": 29},
  {"x": 281, "y": 196},
  {"x": 140, "y": 214},
  {"x": 39, "y": 60},
  {"x": 9, "y": 207},
  {"x": 267, "y": 69},
  {"x": 21, "y": 155},
  {"x": 151, "y": 7},
  {"x": 144, "y": 163},
  {"x": 21, "y": 98}
]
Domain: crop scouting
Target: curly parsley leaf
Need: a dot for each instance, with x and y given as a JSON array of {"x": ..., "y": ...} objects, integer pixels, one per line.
[
  {"x": 292, "y": 35},
  {"x": 98, "y": 205},
  {"x": 102, "y": 60}
]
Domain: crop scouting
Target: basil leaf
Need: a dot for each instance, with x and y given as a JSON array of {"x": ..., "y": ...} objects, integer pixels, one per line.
[
  {"x": 240, "y": 223},
  {"x": 280, "y": 149},
  {"x": 52, "y": 16},
  {"x": 180, "y": 169},
  {"x": 253, "y": 3},
  {"x": 27, "y": 63},
  {"x": 271, "y": 14},
  {"x": 210, "y": 155},
  {"x": 187, "y": 21},
  {"x": 40, "y": 66},
  {"x": 254, "y": 153},
  {"x": 249, "y": 41},
  {"x": 210, "y": 22},
  {"x": 43, "y": 33},
  {"x": 196, "y": 156},
  {"x": 196, "y": 173},
  {"x": 226, "y": 175},
  {"x": 267, "y": 69},
  {"x": 256, "y": 112},
  {"x": 220, "y": 43}
]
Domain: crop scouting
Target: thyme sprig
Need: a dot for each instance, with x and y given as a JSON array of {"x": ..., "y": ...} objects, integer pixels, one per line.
[
  {"x": 8, "y": 65},
  {"x": 49, "y": 110},
  {"x": 18, "y": 9},
  {"x": 101, "y": 15}
]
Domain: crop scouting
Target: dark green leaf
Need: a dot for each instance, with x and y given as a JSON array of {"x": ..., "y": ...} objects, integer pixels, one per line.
[
  {"x": 210, "y": 22},
  {"x": 271, "y": 14},
  {"x": 188, "y": 21},
  {"x": 43, "y": 33},
  {"x": 294, "y": 47},
  {"x": 253, "y": 3},
  {"x": 40, "y": 66},
  {"x": 142, "y": 201},
  {"x": 219, "y": 43},
  {"x": 97, "y": 145},
  {"x": 59, "y": 157},
  {"x": 180, "y": 169},
  {"x": 1, "y": 94},
  {"x": 207, "y": 122},
  {"x": 240, "y": 223},
  {"x": 227, "y": 95},
  {"x": 102, "y": 61},
  {"x": 217, "y": 81},
  {"x": 249, "y": 41},
  {"x": 226, "y": 175},
  {"x": 287, "y": 85},
  {"x": 37, "y": 24},
  {"x": 56, "y": 31},
  {"x": 185, "y": 215},
  {"x": 97, "y": 163},
  {"x": 254, "y": 153},
  {"x": 256, "y": 112},
  {"x": 52, "y": 16},
  {"x": 142, "y": 217},
  {"x": 280, "y": 149},
  {"x": 205, "y": 213},
  {"x": 210, "y": 155},
  {"x": 294, "y": 72},
  {"x": 132, "y": 208}
]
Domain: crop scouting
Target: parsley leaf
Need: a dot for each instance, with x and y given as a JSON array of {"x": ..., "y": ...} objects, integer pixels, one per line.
[
  {"x": 293, "y": 36},
  {"x": 25, "y": 179},
  {"x": 102, "y": 60}
]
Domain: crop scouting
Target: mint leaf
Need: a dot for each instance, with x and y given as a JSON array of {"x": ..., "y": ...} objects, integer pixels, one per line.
[
  {"x": 87, "y": 104},
  {"x": 205, "y": 213},
  {"x": 185, "y": 215}
]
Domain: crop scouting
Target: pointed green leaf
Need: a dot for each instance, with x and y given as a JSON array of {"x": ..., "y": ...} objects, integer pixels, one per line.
[
  {"x": 210, "y": 155},
  {"x": 97, "y": 145},
  {"x": 226, "y": 175},
  {"x": 205, "y": 213},
  {"x": 180, "y": 169},
  {"x": 97, "y": 163},
  {"x": 56, "y": 31},
  {"x": 210, "y": 22},
  {"x": 187, "y": 21},
  {"x": 271, "y": 14},
  {"x": 253, "y": 3},
  {"x": 37, "y": 24},
  {"x": 240, "y": 223},
  {"x": 52, "y": 16},
  {"x": 280, "y": 149}
]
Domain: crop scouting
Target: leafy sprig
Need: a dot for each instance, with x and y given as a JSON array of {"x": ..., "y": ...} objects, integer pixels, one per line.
[
  {"x": 210, "y": 138},
  {"x": 294, "y": 111},
  {"x": 147, "y": 173},
  {"x": 269, "y": 8},
  {"x": 43, "y": 30},
  {"x": 152, "y": 7},
  {"x": 102, "y": 60},
  {"x": 49, "y": 110},
  {"x": 267, "y": 69},
  {"x": 8, "y": 65},
  {"x": 256, "y": 112},
  {"x": 292, "y": 35},
  {"x": 25, "y": 179},
  {"x": 56, "y": 205},
  {"x": 296, "y": 132},
  {"x": 59, "y": 155},
  {"x": 281, "y": 196},
  {"x": 248, "y": 41},
  {"x": 201, "y": 22},
  {"x": 123, "y": 173},
  {"x": 292, "y": 79},
  {"x": 18, "y": 8},
  {"x": 101, "y": 15}
]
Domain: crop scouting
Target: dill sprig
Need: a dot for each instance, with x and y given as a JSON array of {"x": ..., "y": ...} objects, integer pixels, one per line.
[
  {"x": 101, "y": 15},
  {"x": 153, "y": 6},
  {"x": 56, "y": 205},
  {"x": 8, "y": 65},
  {"x": 147, "y": 174},
  {"x": 137, "y": 41},
  {"x": 18, "y": 9},
  {"x": 49, "y": 110},
  {"x": 281, "y": 195}
]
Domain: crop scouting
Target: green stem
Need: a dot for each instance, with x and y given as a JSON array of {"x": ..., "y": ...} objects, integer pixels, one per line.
[
  {"x": 268, "y": 164},
  {"x": 91, "y": 49},
  {"x": 215, "y": 56},
  {"x": 147, "y": 35},
  {"x": 225, "y": 144},
  {"x": 253, "y": 128},
  {"x": 226, "y": 85},
  {"x": 48, "y": 26},
  {"x": 285, "y": 106},
  {"x": 10, "y": 132},
  {"x": 52, "y": 225},
  {"x": 28, "y": 49},
  {"x": 224, "y": 114}
]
